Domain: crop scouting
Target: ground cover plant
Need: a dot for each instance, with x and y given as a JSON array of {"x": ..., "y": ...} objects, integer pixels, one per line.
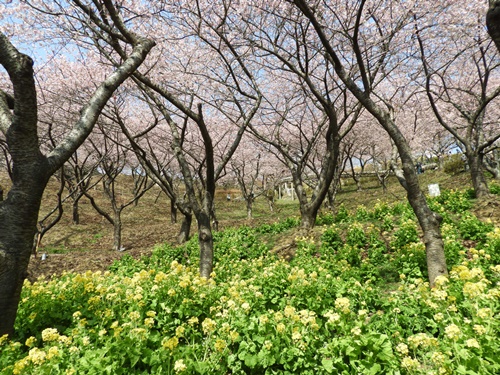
[{"x": 353, "y": 299}]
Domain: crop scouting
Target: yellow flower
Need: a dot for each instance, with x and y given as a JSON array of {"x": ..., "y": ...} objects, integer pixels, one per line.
[
  {"x": 452, "y": 332},
  {"x": 410, "y": 363},
  {"x": 30, "y": 342},
  {"x": 356, "y": 331},
  {"x": 479, "y": 329},
  {"x": 179, "y": 366},
  {"x": 4, "y": 339},
  {"x": 73, "y": 350},
  {"x": 263, "y": 319},
  {"x": 208, "y": 325},
  {"x": 37, "y": 356},
  {"x": 402, "y": 348},
  {"x": 50, "y": 334},
  {"x": 473, "y": 289},
  {"x": 179, "y": 331},
  {"x": 171, "y": 343},
  {"x": 280, "y": 327},
  {"x": 134, "y": 315},
  {"x": 440, "y": 281},
  {"x": 332, "y": 317},
  {"x": 193, "y": 320},
  {"x": 484, "y": 313},
  {"x": 289, "y": 311},
  {"x": 149, "y": 322},
  {"x": 220, "y": 345},
  {"x": 20, "y": 365},
  {"x": 296, "y": 336},
  {"x": 53, "y": 352},
  {"x": 438, "y": 317},
  {"x": 438, "y": 357},
  {"x": 233, "y": 335},
  {"x": 343, "y": 304},
  {"x": 439, "y": 294},
  {"x": 472, "y": 343}
]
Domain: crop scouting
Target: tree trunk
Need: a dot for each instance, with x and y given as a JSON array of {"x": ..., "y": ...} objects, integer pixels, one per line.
[
  {"x": 493, "y": 21},
  {"x": 18, "y": 217},
  {"x": 173, "y": 213},
  {"x": 117, "y": 232},
  {"x": 206, "y": 243},
  {"x": 308, "y": 216},
  {"x": 478, "y": 178},
  {"x": 249, "y": 207},
  {"x": 184, "y": 233},
  {"x": 76, "y": 210}
]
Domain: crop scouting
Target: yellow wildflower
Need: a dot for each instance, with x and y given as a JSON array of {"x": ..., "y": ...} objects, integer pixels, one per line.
[
  {"x": 53, "y": 352},
  {"x": 220, "y": 345},
  {"x": 50, "y": 334},
  {"x": 208, "y": 325},
  {"x": 30, "y": 341},
  {"x": 472, "y": 343},
  {"x": 179, "y": 366},
  {"x": 452, "y": 332},
  {"x": 171, "y": 343},
  {"x": 37, "y": 356}
]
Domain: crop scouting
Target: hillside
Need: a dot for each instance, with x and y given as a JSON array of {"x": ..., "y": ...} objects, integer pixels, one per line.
[{"x": 87, "y": 246}]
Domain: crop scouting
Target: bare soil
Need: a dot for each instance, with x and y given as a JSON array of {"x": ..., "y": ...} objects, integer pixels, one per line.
[{"x": 88, "y": 245}]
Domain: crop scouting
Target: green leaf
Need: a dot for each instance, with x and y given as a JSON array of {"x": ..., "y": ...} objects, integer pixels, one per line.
[{"x": 327, "y": 365}]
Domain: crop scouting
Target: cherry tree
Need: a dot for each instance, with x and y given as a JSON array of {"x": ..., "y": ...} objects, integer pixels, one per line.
[
  {"x": 31, "y": 169},
  {"x": 365, "y": 43},
  {"x": 462, "y": 83},
  {"x": 306, "y": 114},
  {"x": 201, "y": 85},
  {"x": 247, "y": 165},
  {"x": 149, "y": 139},
  {"x": 115, "y": 162}
]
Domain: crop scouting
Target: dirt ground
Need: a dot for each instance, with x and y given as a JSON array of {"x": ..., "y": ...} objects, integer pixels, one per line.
[{"x": 88, "y": 246}]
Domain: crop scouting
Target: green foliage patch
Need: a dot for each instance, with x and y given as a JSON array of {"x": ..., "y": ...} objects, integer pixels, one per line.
[{"x": 353, "y": 300}]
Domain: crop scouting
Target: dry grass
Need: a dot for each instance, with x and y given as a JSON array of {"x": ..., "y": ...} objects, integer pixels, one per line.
[{"x": 88, "y": 245}]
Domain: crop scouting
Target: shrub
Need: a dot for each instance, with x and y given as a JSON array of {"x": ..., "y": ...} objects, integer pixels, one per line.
[{"x": 454, "y": 164}]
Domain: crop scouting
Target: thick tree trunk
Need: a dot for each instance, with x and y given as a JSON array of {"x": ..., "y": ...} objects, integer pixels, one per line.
[
  {"x": 205, "y": 240},
  {"x": 493, "y": 21},
  {"x": 18, "y": 217},
  {"x": 185, "y": 230},
  {"x": 308, "y": 216},
  {"x": 430, "y": 223},
  {"x": 478, "y": 178},
  {"x": 249, "y": 207}
]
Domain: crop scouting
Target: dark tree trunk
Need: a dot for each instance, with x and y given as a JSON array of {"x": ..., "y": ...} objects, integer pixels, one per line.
[
  {"x": 478, "y": 178},
  {"x": 205, "y": 240},
  {"x": 117, "y": 232},
  {"x": 493, "y": 22},
  {"x": 18, "y": 216},
  {"x": 308, "y": 216},
  {"x": 185, "y": 230},
  {"x": 31, "y": 170},
  {"x": 76, "y": 209},
  {"x": 173, "y": 212}
]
